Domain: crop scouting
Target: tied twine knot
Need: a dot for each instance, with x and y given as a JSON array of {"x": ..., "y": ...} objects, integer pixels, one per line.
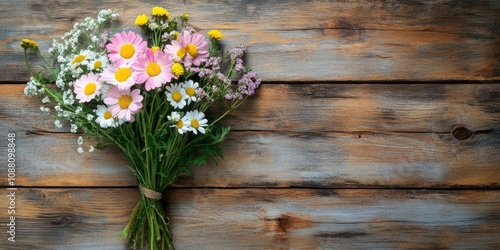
[{"x": 150, "y": 193}]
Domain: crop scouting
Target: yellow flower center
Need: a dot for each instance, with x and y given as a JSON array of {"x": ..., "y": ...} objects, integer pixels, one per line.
[
  {"x": 179, "y": 124},
  {"x": 155, "y": 48},
  {"x": 124, "y": 101},
  {"x": 97, "y": 64},
  {"x": 153, "y": 69},
  {"x": 127, "y": 51},
  {"x": 107, "y": 115},
  {"x": 122, "y": 74},
  {"x": 192, "y": 50},
  {"x": 190, "y": 91},
  {"x": 181, "y": 53},
  {"x": 195, "y": 124},
  {"x": 177, "y": 69},
  {"x": 78, "y": 59},
  {"x": 176, "y": 96},
  {"x": 89, "y": 88}
]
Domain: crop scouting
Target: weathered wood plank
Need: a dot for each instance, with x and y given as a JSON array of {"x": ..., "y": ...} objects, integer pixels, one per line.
[
  {"x": 266, "y": 159},
  {"x": 354, "y": 40},
  {"x": 340, "y": 136},
  {"x": 262, "y": 218},
  {"x": 312, "y": 108}
]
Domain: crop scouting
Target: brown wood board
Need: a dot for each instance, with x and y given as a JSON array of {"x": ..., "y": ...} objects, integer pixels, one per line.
[{"x": 302, "y": 41}]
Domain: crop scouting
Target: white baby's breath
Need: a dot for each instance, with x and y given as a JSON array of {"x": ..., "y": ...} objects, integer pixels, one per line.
[{"x": 74, "y": 128}]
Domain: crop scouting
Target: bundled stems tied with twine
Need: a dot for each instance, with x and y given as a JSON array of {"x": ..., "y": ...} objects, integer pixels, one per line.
[
  {"x": 150, "y": 193},
  {"x": 149, "y": 222}
]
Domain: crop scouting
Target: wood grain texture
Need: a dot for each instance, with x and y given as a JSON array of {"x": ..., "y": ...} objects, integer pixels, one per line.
[
  {"x": 353, "y": 40},
  {"x": 300, "y": 135},
  {"x": 263, "y": 218},
  {"x": 355, "y": 109},
  {"x": 325, "y": 156}
]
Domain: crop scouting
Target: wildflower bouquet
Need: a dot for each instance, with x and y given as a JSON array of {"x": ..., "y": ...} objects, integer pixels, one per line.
[{"x": 146, "y": 94}]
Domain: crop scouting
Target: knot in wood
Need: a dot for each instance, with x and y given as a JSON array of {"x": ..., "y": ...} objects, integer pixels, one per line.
[{"x": 461, "y": 133}]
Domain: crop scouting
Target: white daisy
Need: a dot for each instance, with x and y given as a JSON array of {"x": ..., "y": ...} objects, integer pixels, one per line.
[
  {"x": 99, "y": 63},
  {"x": 105, "y": 118},
  {"x": 197, "y": 121},
  {"x": 190, "y": 88},
  {"x": 182, "y": 125},
  {"x": 176, "y": 95},
  {"x": 82, "y": 58}
]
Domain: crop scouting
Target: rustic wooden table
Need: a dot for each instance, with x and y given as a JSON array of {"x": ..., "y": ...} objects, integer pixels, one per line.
[{"x": 377, "y": 126}]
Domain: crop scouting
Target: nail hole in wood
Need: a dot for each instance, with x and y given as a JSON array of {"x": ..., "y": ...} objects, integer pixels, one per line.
[{"x": 461, "y": 133}]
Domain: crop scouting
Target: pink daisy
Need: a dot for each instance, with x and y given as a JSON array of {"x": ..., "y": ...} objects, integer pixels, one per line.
[
  {"x": 124, "y": 48},
  {"x": 154, "y": 69},
  {"x": 175, "y": 50},
  {"x": 123, "y": 77},
  {"x": 87, "y": 87},
  {"x": 190, "y": 49},
  {"x": 124, "y": 103}
]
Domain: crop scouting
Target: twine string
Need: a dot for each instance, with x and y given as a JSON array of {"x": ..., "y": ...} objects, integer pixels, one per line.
[{"x": 150, "y": 193}]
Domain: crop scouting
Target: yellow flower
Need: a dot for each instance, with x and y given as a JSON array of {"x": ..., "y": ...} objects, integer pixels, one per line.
[
  {"x": 160, "y": 12},
  {"x": 177, "y": 69},
  {"x": 141, "y": 20},
  {"x": 215, "y": 35},
  {"x": 184, "y": 17},
  {"x": 29, "y": 44}
]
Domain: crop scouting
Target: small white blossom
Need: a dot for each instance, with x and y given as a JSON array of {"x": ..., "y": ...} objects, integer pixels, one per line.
[
  {"x": 80, "y": 150},
  {"x": 80, "y": 140},
  {"x": 58, "y": 108},
  {"x": 68, "y": 97},
  {"x": 74, "y": 128},
  {"x": 46, "y": 99},
  {"x": 57, "y": 124},
  {"x": 153, "y": 26},
  {"x": 90, "y": 117},
  {"x": 175, "y": 116},
  {"x": 78, "y": 110},
  {"x": 30, "y": 90},
  {"x": 91, "y": 149},
  {"x": 45, "y": 109}
]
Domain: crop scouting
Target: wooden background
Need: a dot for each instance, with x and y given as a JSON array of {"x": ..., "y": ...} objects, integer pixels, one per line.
[{"x": 377, "y": 126}]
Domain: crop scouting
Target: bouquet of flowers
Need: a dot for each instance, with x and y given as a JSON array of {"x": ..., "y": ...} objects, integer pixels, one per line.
[{"x": 146, "y": 94}]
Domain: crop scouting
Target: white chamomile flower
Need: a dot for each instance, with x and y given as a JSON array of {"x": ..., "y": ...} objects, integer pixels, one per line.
[
  {"x": 82, "y": 58},
  {"x": 176, "y": 95},
  {"x": 99, "y": 63},
  {"x": 104, "y": 117},
  {"x": 197, "y": 121},
  {"x": 190, "y": 88},
  {"x": 182, "y": 125}
]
